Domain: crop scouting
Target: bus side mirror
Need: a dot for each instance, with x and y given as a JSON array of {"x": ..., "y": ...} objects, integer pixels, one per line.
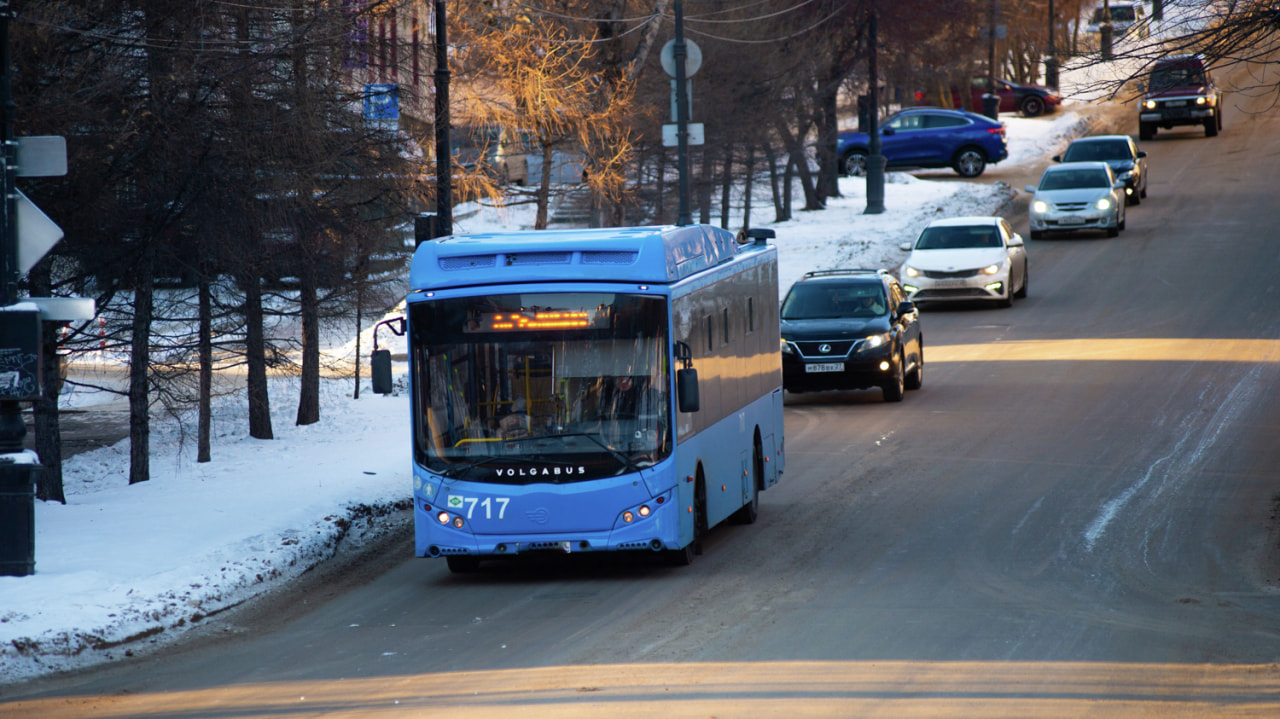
[
  {"x": 380, "y": 370},
  {"x": 686, "y": 379},
  {"x": 687, "y": 389}
]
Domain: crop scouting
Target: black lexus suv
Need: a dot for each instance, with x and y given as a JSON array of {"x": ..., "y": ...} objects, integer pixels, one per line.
[{"x": 851, "y": 329}]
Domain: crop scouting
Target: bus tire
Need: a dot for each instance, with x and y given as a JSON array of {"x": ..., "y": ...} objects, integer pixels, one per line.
[
  {"x": 751, "y": 510},
  {"x": 684, "y": 557},
  {"x": 679, "y": 557},
  {"x": 462, "y": 563}
]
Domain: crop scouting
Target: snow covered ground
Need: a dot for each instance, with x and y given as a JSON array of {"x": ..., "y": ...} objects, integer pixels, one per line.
[{"x": 124, "y": 568}]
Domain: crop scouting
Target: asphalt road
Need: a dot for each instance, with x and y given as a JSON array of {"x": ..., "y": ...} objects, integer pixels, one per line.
[{"x": 1074, "y": 517}]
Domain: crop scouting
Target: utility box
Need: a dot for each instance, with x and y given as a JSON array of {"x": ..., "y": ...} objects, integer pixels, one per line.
[
  {"x": 20, "y": 353},
  {"x": 17, "y": 518}
]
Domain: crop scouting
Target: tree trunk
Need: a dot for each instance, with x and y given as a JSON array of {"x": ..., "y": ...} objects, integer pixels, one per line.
[
  {"x": 139, "y": 368},
  {"x": 781, "y": 210},
  {"x": 828, "y": 129},
  {"x": 309, "y": 398},
  {"x": 45, "y": 411},
  {"x": 255, "y": 356},
  {"x": 204, "y": 345},
  {"x": 726, "y": 184},
  {"x": 747, "y": 186},
  {"x": 704, "y": 184},
  {"x": 544, "y": 190}
]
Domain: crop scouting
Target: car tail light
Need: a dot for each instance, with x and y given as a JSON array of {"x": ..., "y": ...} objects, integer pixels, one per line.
[{"x": 996, "y": 130}]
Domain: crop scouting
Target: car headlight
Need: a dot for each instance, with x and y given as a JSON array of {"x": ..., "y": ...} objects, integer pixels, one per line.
[
  {"x": 787, "y": 349},
  {"x": 1149, "y": 104},
  {"x": 1201, "y": 100},
  {"x": 1104, "y": 203},
  {"x": 992, "y": 269},
  {"x": 1040, "y": 206},
  {"x": 910, "y": 271},
  {"x": 873, "y": 341}
]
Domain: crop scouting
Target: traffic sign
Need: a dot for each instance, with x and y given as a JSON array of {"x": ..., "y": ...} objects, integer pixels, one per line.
[
  {"x": 42, "y": 156},
  {"x": 692, "y": 57},
  {"x": 37, "y": 234},
  {"x": 671, "y": 138}
]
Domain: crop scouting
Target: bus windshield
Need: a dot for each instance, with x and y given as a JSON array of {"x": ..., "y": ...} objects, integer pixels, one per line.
[{"x": 540, "y": 387}]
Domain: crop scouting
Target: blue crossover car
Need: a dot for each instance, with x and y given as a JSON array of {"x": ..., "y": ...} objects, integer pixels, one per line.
[{"x": 928, "y": 137}]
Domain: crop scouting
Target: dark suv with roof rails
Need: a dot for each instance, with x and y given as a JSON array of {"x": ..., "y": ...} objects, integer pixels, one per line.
[
  {"x": 1180, "y": 91},
  {"x": 851, "y": 329}
]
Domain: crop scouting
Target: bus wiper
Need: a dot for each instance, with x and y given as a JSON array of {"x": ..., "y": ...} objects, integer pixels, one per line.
[
  {"x": 457, "y": 471},
  {"x": 625, "y": 460}
]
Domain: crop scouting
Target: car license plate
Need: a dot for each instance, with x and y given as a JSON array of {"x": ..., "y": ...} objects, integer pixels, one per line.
[
  {"x": 1175, "y": 103},
  {"x": 824, "y": 367},
  {"x": 948, "y": 284},
  {"x": 1072, "y": 220}
]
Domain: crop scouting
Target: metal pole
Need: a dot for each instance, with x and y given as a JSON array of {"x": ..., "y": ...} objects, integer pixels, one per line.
[
  {"x": 1104, "y": 32},
  {"x": 444, "y": 153},
  {"x": 9, "y": 264},
  {"x": 679, "y": 53},
  {"x": 13, "y": 430},
  {"x": 991, "y": 50},
  {"x": 875, "y": 161},
  {"x": 1051, "y": 59}
]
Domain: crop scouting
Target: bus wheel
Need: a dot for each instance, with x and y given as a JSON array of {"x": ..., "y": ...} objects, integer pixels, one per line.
[
  {"x": 684, "y": 557},
  {"x": 679, "y": 557},
  {"x": 462, "y": 563}
]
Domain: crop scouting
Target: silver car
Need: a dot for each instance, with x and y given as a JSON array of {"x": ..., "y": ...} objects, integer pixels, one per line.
[
  {"x": 1077, "y": 196},
  {"x": 966, "y": 258}
]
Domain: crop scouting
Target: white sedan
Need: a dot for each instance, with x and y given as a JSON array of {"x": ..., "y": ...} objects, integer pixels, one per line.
[
  {"x": 966, "y": 258},
  {"x": 1077, "y": 196}
]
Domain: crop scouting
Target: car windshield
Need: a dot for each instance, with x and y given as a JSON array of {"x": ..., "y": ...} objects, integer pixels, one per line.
[
  {"x": 1118, "y": 14},
  {"x": 814, "y": 301},
  {"x": 957, "y": 238},
  {"x": 1176, "y": 76},
  {"x": 1074, "y": 179},
  {"x": 1096, "y": 150}
]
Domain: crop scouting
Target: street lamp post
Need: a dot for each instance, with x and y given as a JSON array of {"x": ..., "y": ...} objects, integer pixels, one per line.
[
  {"x": 875, "y": 161},
  {"x": 680, "y": 52},
  {"x": 1051, "y": 56},
  {"x": 444, "y": 153}
]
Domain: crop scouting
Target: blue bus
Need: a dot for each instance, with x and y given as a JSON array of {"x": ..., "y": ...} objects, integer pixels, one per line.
[{"x": 595, "y": 390}]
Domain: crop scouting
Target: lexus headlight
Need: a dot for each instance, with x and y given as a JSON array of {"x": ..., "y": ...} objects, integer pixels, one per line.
[
  {"x": 1040, "y": 206},
  {"x": 787, "y": 349},
  {"x": 874, "y": 341},
  {"x": 1104, "y": 204},
  {"x": 910, "y": 271}
]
